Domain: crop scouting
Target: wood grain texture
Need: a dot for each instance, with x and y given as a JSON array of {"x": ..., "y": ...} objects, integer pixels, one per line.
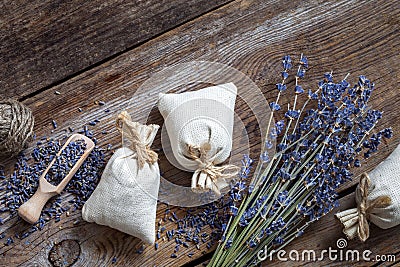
[
  {"x": 44, "y": 42},
  {"x": 252, "y": 36}
]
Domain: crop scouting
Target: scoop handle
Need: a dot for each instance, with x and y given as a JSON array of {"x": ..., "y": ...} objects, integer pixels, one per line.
[{"x": 30, "y": 210}]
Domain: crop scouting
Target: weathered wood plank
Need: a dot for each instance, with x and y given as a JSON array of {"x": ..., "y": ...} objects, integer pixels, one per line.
[
  {"x": 332, "y": 34},
  {"x": 44, "y": 42}
]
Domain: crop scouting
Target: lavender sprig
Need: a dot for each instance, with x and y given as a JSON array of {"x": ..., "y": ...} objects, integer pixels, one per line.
[{"x": 298, "y": 185}]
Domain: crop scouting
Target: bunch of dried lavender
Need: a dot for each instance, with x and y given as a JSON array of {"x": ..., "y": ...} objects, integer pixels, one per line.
[{"x": 297, "y": 185}]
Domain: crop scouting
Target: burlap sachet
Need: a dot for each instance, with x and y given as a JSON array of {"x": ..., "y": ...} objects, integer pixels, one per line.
[
  {"x": 200, "y": 125},
  {"x": 378, "y": 200},
  {"x": 126, "y": 196}
]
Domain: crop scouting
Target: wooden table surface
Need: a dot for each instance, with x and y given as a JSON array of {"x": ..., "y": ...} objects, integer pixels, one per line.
[{"x": 104, "y": 50}]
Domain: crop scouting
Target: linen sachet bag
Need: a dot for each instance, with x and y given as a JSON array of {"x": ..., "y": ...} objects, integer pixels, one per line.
[
  {"x": 126, "y": 196},
  {"x": 200, "y": 125},
  {"x": 378, "y": 200}
]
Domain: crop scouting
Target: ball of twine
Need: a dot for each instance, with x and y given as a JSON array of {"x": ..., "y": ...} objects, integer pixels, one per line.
[{"x": 16, "y": 127}]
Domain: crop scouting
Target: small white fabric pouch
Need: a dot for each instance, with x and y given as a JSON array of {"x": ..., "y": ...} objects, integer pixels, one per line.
[
  {"x": 200, "y": 125},
  {"x": 378, "y": 199},
  {"x": 126, "y": 196}
]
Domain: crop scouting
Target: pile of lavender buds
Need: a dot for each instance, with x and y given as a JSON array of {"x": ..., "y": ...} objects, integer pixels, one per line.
[
  {"x": 22, "y": 183},
  {"x": 64, "y": 162}
]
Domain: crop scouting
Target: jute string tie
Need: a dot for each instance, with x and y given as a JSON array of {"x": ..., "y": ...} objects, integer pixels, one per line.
[
  {"x": 206, "y": 176},
  {"x": 365, "y": 206},
  {"x": 129, "y": 130}
]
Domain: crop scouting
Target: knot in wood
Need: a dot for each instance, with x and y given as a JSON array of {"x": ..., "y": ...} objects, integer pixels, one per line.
[{"x": 65, "y": 253}]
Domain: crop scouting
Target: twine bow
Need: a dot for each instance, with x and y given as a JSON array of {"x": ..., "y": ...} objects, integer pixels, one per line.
[
  {"x": 355, "y": 220},
  {"x": 365, "y": 206},
  {"x": 206, "y": 176},
  {"x": 130, "y": 130}
]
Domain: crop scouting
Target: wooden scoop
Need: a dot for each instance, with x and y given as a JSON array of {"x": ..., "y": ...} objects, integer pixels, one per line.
[{"x": 30, "y": 210}]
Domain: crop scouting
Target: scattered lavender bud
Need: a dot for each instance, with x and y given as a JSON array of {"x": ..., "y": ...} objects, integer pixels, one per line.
[
  {"x": 25, "y": 235},
  {"x": 140, "y": 250},
  {"x": 9, "y": 241}
]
